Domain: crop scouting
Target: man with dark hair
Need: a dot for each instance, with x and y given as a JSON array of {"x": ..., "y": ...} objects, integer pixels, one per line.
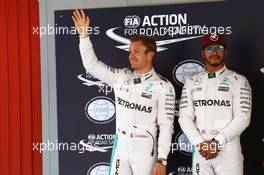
[
  {"x": 148, "y": 42},
  {"x": 145, "y": 103},
  {"x": 215, "y": 109}
]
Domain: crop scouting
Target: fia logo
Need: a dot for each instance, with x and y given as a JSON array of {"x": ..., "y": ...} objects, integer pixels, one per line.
[
  {"x": 132, "y": 21},
  {"x": 186, "y": 69},
  {"x": 101, "y": 168},
  {"x": 100, "y": 110}
]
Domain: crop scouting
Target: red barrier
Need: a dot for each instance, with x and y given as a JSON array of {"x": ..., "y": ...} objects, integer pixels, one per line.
[{"x": 20, "y": 93}]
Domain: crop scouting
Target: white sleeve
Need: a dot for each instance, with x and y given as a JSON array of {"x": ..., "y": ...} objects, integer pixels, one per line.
[
  {"x": 242, "y": 101},
  {"x": 165, "y": 119},
  {"x": 187, "y": 116},
  {"x": 95, "y": 67}
]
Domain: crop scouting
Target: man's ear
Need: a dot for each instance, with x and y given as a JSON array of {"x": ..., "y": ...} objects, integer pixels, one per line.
[
  {"x": 151, "y": 55},
  {"x": 225, "y": 52},
  {"x": 202, "y": 53}
]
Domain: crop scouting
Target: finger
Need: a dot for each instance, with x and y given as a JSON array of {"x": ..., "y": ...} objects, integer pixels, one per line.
[
  {"x": 88, "y": 20},
  {"x": 154, "y": 172},
  {"x": 82, "y": 13},
  {"x": 204, "y": 154},
  {"x": 74, "y": 20},
  {"x": 215, "y": 155},
  {"x": 208, "y": 156},
  {"x": 201, "y": 150},
  {"x": 75, "y": 16},
  {"x": 78, "y": 14},
  {"x": 212, "y": 156},
  {"x": 201, "y": 153}
]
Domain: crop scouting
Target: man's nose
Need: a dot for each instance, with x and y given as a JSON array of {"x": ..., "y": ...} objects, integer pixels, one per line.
[{"x": 214, "y": 52}]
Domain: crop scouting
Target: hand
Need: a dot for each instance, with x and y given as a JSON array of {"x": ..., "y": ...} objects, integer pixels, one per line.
[
  {"x": 159, "y": 169},
  {"x": 81, "y": 22},
  {"x": 208, "y": 149}
]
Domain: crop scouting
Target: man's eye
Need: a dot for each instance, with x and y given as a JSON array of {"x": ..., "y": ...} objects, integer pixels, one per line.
[{"x": 209, "y": 50}]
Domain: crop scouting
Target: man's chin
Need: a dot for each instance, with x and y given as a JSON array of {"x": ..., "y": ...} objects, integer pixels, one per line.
[
  {"x": 133, "y": 66},
  {"x": 214, "y": 63}
]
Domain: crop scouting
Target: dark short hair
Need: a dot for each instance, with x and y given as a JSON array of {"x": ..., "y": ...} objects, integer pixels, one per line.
[{"x": 147, "y": 41}]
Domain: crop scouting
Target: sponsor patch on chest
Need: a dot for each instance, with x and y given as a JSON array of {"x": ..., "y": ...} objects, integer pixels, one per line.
[
  {"x": 146, "y": 95},
  {"x": 223, "y": 88}
]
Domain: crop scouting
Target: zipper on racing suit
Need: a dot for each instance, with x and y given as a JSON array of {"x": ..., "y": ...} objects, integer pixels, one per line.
[{"x": 152, "y": 150}]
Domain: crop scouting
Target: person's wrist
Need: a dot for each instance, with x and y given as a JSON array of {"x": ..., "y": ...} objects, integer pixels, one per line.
[
  {"x": 162, "y": 161},
  {"x": 83, "y": 36}
]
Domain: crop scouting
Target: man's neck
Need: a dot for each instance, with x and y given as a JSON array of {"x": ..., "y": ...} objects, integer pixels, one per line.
[
  {"x": 143, "y": 71},
  {"x": 210, "y": 69}
]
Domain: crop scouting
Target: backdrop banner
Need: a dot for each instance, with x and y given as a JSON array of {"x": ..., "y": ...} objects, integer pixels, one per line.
[{"x": 86, "y": 108}]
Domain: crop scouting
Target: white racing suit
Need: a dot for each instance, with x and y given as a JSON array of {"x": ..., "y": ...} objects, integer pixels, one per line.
[
  {"x": 144, "y": 105},
  {"x": 216, "y": 105}
]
